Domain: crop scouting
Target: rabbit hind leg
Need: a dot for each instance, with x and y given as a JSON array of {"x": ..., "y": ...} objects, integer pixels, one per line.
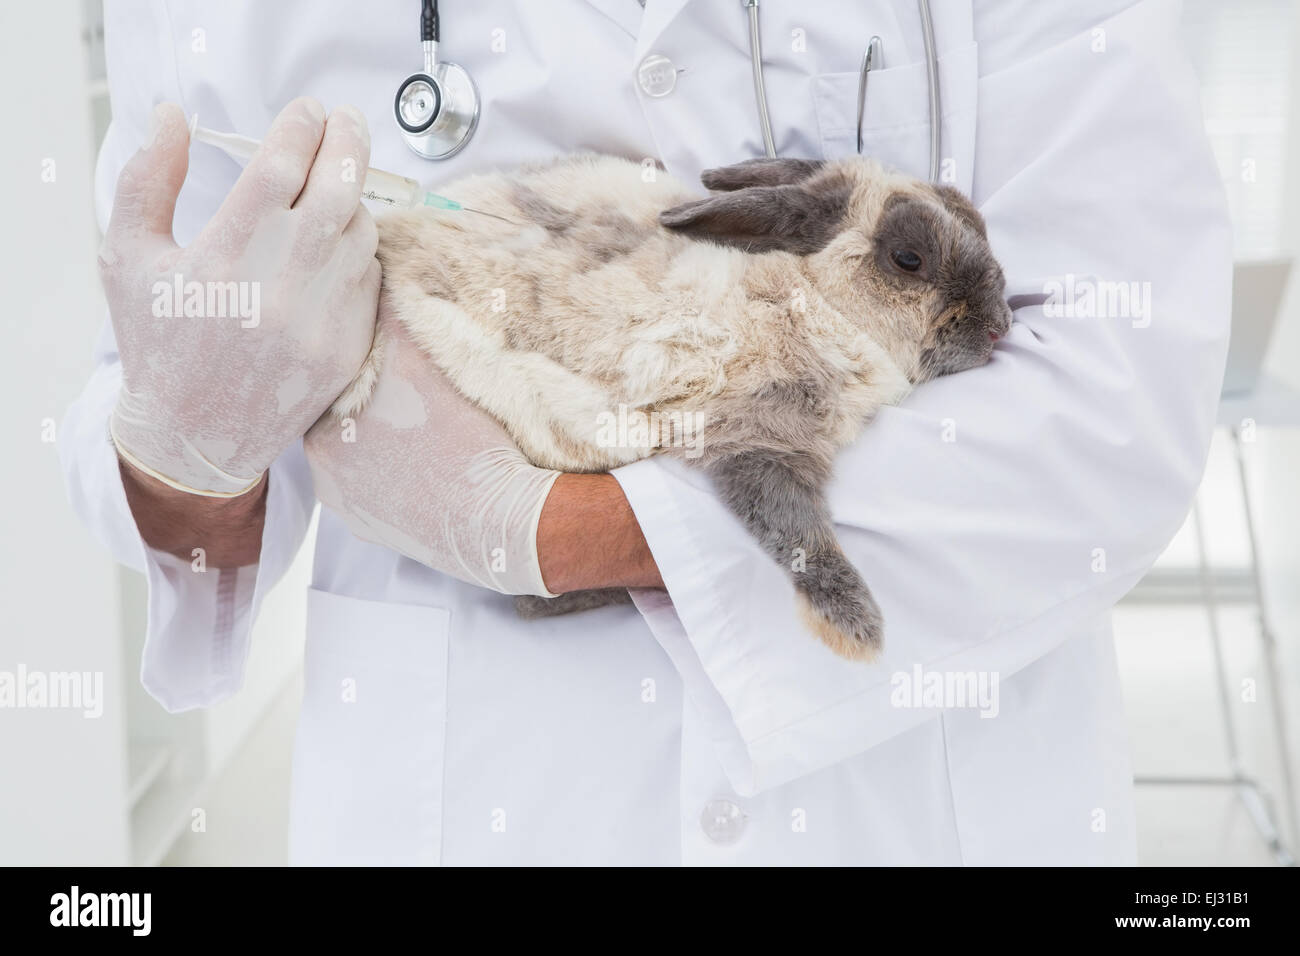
[{"x": 778, "y": 496}]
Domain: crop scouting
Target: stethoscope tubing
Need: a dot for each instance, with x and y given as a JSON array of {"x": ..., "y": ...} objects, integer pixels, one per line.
[
  {"x": 429, "y": 30},
  {"x": 870, "y": 60}
]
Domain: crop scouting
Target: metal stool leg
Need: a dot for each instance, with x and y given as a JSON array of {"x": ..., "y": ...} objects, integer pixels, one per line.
[
  {"x": 1247, "y": 788},
  {"x": 1269, "y": 642},
  {"x": 1211, "y": 599}
]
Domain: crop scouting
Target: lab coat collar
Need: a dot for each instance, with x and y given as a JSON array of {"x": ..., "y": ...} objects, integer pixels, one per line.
[
  {"x": 645, "y": 25},
  {"x": 658, "y": 15},
  {"x": 626, "y": 13}
]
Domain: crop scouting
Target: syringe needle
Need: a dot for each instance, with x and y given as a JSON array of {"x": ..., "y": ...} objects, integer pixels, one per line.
[{"x": 435, "y": 201}]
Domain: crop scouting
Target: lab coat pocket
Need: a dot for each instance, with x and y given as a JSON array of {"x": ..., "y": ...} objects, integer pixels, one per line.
[
  {"x": 368, "y": 758},
  {"x": 896, "y": 116}
]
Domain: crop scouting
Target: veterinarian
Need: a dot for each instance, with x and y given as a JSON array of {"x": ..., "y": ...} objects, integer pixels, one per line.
[{"x": 998, "y": 513}]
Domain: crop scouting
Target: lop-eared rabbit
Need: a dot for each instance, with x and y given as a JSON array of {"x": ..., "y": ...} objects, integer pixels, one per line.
[{"x": 751, "y": 334}]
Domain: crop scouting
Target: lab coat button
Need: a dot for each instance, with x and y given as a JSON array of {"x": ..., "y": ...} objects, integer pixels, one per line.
[
  {"x": 722, "y": 821},
  {"x": 657, "y": 75}
]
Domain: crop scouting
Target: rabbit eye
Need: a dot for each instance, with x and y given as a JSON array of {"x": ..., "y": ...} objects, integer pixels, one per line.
[{"x": 906, "y": 259}]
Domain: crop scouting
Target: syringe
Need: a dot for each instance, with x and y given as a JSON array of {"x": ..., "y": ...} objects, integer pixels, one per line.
[{"x": 387, "y": 188}]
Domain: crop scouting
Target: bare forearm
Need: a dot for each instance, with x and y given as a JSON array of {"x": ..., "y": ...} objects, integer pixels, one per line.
[
  {"x": 588, "y": 537},
  {"x": 229, "y": 530}
]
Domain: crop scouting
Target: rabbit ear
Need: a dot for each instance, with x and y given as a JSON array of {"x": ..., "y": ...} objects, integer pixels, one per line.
[
  {"x": 760, "y": 172},
  {"x": 798, "y": 219}
]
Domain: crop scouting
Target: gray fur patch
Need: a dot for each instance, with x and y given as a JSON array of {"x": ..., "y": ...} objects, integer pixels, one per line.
[
  {"x": 760, "y": 172},
  {"x": 542, "y": 212},
  {"x": 530, "y": 606},
  {"x": 805, "y": 397},
  {"x": 613, "y": 235},
  {"x": 955, "y": 201},
  {"x": 801, "y": 219},
  {"x": 435, "y": 283}
]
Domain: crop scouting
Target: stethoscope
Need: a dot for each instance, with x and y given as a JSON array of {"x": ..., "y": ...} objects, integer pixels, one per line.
[
  {"x": 437, "y": 110},
  {"x": 872, "y": 59}
]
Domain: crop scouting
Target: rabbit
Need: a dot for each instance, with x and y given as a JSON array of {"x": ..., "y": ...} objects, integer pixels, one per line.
[{"x": 751, "y": 334}]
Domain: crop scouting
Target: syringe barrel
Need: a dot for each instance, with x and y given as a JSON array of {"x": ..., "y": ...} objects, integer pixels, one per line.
[
  {"x": 379, "y": 186},
  {"x": 391, "y": 189}
]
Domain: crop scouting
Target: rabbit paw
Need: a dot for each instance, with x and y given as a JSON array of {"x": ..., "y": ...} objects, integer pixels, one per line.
[{"x": 838, "y": 608}]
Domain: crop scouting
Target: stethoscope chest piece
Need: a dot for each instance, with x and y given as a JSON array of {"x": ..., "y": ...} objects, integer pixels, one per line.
[{"x": 436, "y": 110}]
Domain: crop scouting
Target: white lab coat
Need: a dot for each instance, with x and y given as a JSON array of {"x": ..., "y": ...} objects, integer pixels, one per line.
[{"x": 997, "y": 513}]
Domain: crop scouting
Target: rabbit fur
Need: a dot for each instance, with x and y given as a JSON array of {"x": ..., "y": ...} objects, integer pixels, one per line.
[{"x": 751, "y": 333}]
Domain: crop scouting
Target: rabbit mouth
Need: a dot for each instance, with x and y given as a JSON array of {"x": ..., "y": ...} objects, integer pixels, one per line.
[
  {"x": 966, "y": 343},
  {"x": 970, "y": 352}
]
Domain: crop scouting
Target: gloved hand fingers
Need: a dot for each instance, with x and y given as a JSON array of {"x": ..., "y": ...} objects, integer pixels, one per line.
[
  {"x": 461, "y": 424},
  {"x": 145, "y": 201},
  {"x": 275, "y": 317},
  {"x": 348, "y": 323},
  {"x": 333, "y": 190},
  {"x": 422, "y": 471},
  {"x": 358, "y": 243},
  {"x": 355, "y": 332},
  {"x": 275, "y": 176}
]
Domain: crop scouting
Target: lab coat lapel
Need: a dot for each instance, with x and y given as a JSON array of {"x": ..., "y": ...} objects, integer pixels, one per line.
[
  {"x": 658, "y": 15},
  {"x": 626, "y": 13}
]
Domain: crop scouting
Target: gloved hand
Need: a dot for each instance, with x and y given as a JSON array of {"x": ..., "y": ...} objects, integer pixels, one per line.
[
  {"x": 277, "y": 299},
  {"x": 427, "y": 474}
]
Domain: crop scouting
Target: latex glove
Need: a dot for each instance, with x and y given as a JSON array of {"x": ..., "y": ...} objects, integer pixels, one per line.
[
  {"x": 208, "y": 402},
  {"x": 427, "y": 474}
]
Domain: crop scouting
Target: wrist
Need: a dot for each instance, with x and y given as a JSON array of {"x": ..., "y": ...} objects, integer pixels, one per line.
[
  {"x": 167, "y": 457},
  {"x": 588, "y": 537},
  {"x": 229, "y": 530}
]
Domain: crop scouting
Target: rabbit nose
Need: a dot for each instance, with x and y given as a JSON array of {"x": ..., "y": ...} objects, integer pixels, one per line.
[{"x": 1003, "y": 322}]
